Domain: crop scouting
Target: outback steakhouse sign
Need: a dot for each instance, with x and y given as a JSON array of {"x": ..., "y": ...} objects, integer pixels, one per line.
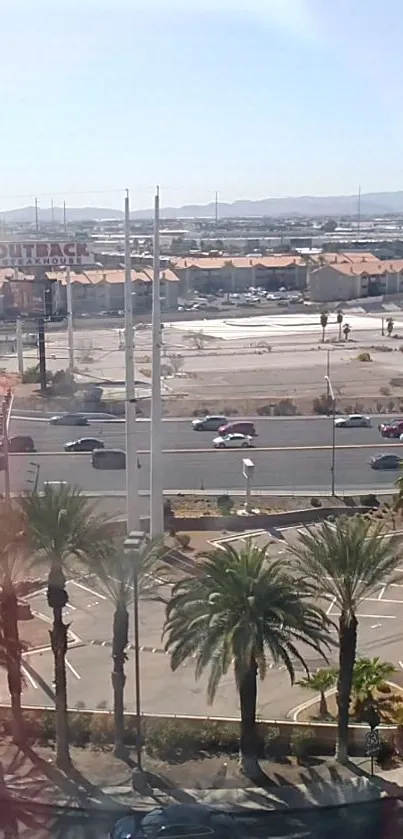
[{"x": 31, "y": 254}]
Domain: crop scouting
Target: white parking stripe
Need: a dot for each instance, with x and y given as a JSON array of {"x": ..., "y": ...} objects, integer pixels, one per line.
[
  {"x": 401, "y": 664},
  {"x": 374, "y": 617},
  {"x": 29, "y": 677},
  {"x": 90, "y": 590},
  {"x": 74, "y": 672},
  {"x": 381, "y": 593},
  {"x": 330, "y": 607}
]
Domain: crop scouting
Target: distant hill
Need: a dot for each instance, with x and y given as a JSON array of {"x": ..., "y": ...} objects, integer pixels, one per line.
[{"x": 372, "y": 203}]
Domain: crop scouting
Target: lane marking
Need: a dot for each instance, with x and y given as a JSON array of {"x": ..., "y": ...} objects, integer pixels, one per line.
[
  {"x": 212, "y": 449},
  {"x": 381, "y": 593},
  {"x": 29, "y": 677},
  {"x": 74, "y": 672},
  {"x": 373, "y": 617},
  {"x": 376, "y": 625},
  {"x": 86, "y": 588}
]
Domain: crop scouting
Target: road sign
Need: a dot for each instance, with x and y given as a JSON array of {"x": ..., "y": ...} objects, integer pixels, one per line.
[
  {"x": 372, "y": 743},
  {"x": 247, "y": 467}
]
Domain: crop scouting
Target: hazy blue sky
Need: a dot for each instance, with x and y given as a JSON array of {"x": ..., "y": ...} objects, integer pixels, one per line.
[{"x": 253, "y": 98}]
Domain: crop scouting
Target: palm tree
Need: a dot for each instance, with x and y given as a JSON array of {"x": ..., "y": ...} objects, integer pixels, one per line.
[
  {"x": 12, "y": 556},
  {"x": 115, "y": 570},
  {"x": 340, "y": 321},
  {"x": 323, "y": 322},
  {"x": 62, "y": 527},
  {"x": 390, "y": 325},
  {"x": 349, "y": 560},
  {"x": 369, "y": 674},
  {"x": 242, "y": 606},
  {"x": 346, "y": 331},
  {"x": 321, "y": 681}
]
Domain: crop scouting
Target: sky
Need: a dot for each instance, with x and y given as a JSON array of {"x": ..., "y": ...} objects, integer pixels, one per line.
[{"x": 250, "y": 98}]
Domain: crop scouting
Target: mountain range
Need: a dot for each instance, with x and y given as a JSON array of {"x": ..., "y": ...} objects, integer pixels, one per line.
[{"x": 372, "y": 204}]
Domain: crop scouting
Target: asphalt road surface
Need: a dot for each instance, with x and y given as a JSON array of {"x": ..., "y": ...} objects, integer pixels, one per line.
[
  {"x": 301, "y": 469},
  {"x": 179, "y": 434}
]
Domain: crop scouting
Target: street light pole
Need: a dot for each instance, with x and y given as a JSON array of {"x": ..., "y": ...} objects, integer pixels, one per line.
[
  {"x": 132, "y": 489},
  {"x": 156, "y": 477},
  {"x": 333, "y": 415},
  {"x": 133, "y": 545},
  {"x": 70, "y": 328}
]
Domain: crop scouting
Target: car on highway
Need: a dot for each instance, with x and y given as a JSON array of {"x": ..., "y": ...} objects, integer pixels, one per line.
[
  {"x": 19, "y": 443},
  {"x": 353, "y": 421},
  {"x": 386, "y": 461},
  {"x": 84, "y": 444},
  {"x": 391, "y": 429},
  {"x": 233, "y": 441},
  {"x": 238, "y": 427},
  {"x": 177, "y": 821},
  {"x": 69, "y": 419},
  {"x": 108, "y": 459},
  {"x": 209, "y": 423}
]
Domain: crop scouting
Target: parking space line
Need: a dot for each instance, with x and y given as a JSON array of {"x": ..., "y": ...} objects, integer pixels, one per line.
[
  {"x": 384, "y": 600},
  {"x": 74, "y": 672},
  {"x": 330, "y": 607},
  {"x": 373, "y": 617},
  {"x": 401, "y": 664},
  {"x": 29, "y": 677},
  {"x": 381, "y": 593},
  {"x": 86, "y": 588}
]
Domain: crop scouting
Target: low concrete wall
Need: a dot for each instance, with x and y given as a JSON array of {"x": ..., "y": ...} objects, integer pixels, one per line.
[
  {"x": 324, "y": 733},
  {"x": 261, "y": 521}
]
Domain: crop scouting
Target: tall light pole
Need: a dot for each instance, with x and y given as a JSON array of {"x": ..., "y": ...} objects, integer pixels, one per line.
[
  {"x": 333, "y": 415},
  {"x": 156, "y": 478},
  {"x": 70, "y": 328},
  {"x": 132, "y": 488},
  {"x": 134, "y": 545}
]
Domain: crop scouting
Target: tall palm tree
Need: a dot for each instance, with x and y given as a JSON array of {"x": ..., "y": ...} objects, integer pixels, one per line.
[
  {"x": 320, "y": 682},
  {"x": 241, "y": 607},
  {"x": 115, "y": 570},
  {"x": 62, "y": 527},
  {"x": 13, "y": 558},
  {"x": 348, "y": 560},
  {"x": 340, "y": 321},
  {"x": 323, "y": 322}
]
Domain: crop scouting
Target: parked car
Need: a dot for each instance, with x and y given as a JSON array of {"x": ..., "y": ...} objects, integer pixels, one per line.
[
  {"x": 69, "y": 419},
  {"x": 238, "y": 427},
  {"x": 108, "y": 459},
  {"x": 233, "y": 441},
  {"x": 84, "y": 444},
  {"x": 209, "y": 423},
  {"x": 19, "y": 443},
  {"x": 391, "y": 429},
  {"x": 184, "y": 821},
  {"x": 353, "y": 421},
  {"x": 386, "y": 461}
]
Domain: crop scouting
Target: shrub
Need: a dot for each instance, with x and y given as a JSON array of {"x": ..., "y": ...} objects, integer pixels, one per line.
[
  {"x": 273, "y": 746},
  {"x": 316, "y": 502},
  {"x": 391, "y": 406},
  {"x": 349, "y": 501},
  {"x": 265, "y": 410},
  {"x": 364, "y": 356},
  {"x": 80, "y": 728},
  {"x": 385, "y": 754},
  {"x": 384, "y": 689},
  {"x": 101, "y": 730},
  {"x": 383, "y": 348},
  {"x": 384, "y": 391},
  {"x": 46, "y": 729},
  {"x": 183, "y": 539},
  {"x": 285, "y": 408},
  {"x": 302, "y": 742},
  {"x": 322, "y": 404},
  {"x": 225, "y": 504},
  {"x": 401, "y": 348},
  {"x": 396, "y": 382},
  {"x": 175, "y": 740},
  {"x": 369, "y": 500}
]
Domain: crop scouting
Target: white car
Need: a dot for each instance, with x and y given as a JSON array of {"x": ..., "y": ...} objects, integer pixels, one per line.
[
  {"x": 353, "y": 421},
  {"x": 233, "y": 441}
]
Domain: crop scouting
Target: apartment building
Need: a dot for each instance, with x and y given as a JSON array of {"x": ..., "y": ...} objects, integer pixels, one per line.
[
  {"x": 104, "y": 290},
  {"x": 210, "y": 274},
  {"x": 350, "y": 278}
]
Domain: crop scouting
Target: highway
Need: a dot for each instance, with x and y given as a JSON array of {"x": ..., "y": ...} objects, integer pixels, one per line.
[
  {"x": 179, "y": 434},
  {"x": 300, "y": 469}
]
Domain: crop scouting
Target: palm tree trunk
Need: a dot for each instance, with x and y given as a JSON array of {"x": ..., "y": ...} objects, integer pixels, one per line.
[
  {"x": 347, "y": 652},
  {"x": 339, "y": 331},
  {"x": 9, "y": 623},
  {"x": 323, "y": 334},
  {"x": 58, "y": 638},
  {"x": 119, "y": 644},
  {"x": 248, "y": 746},
  {"x": 322, "y": 704}
]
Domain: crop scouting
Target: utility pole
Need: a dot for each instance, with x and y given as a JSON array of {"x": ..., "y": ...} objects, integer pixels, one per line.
[
  {"x": 132, "y": 487},
  {"x": 36, "y": 216},
  {"x": 70, "y": 327},
  {"x": 216, "y": 209},
  {"x": 64, "y": 218},
  {"x": 156, "y": 479},
  {"x": 359, "y": 210},
  {"x": 20, "y": 350},
  {"x": 5, "y": 420},
  {"x": 52, "y": 211}
]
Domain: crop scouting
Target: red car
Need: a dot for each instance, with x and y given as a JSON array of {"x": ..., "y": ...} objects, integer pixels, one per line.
[{"x": 391, "y": 429}]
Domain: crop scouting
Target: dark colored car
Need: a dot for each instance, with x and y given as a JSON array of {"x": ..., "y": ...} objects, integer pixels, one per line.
[
  {"x": 177, "y": 821},
  {"x": 391, "y": 429},
  {"x": 69, "y": 419},
  {"x": 239, "y": 427},
  {"x": 84, "y": 444},
  {"x": 19, "y": 443},
  {"x": 386, "y": 461},
  {"x": 108, "y": 459},
  {"x": 209, "y": 423}
]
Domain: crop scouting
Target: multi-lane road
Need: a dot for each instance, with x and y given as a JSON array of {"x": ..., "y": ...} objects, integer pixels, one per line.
[{"x": 289, "y": 454}]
